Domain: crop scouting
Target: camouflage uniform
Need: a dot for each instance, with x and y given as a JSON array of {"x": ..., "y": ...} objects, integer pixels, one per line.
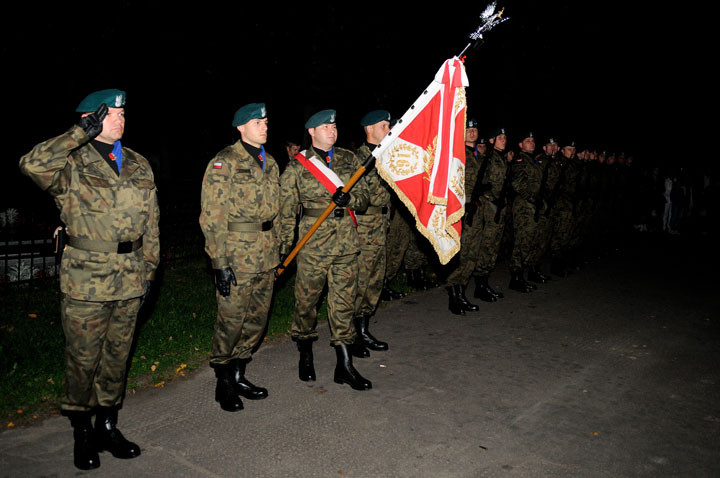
[
  {"x": 239, "y": 203},
  {"x": 491, "y": 232},
  {"x": 398, "y": 239},
  {"x": 564, "y": 209},
  {"x": 543, "y": 228},
  {"x": 114, "y": 247},
  {"x": 373, "y": 224},
  {"x": 464, "y": 263},
  {"x": 526, "y": 178},
  {"x": 330, "y": 255}
]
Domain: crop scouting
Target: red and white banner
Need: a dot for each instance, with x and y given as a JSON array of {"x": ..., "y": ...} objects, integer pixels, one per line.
[{"x": 423, "y": 159}]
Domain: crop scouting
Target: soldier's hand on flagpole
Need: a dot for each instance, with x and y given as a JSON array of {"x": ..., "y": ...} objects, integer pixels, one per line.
[
  {"x": 341, "y": 198},
  {"x": 280, "y": 266},
  {"x": 93, "y": 123},
  {"x": 223, "y": 278}
]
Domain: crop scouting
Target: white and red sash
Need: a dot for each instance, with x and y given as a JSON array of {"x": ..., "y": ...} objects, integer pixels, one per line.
[{"x": 327, "y": 177}]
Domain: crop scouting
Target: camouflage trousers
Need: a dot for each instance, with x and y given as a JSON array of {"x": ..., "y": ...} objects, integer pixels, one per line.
[
  {"x": 242, "y": 317},
  {"x": 562, "y": 229},
  {"x": 524, "y": 227},
  {"x": 371, "y": 272},
  {"x": 340, "y": 275},
  {"x": 402, "y": 245},
  {"x": 98, "y": 338},
  {"x": 490, "y": 235},
  {"x": 541, "y": 243},
  {"x": 463, "y": 264}
]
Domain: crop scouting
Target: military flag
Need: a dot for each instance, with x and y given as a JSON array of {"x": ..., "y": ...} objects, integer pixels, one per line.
[{"x": 423, "y": 159}]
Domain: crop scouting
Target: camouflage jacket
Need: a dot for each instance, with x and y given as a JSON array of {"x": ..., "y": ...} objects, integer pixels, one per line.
[
  {"x": 97, "y": 204},
  {"x": 494, "y": 175},
  {"x": 567, "y": 193},
  {"x": 336, "y": 235},
  {"x": 526, "y": 177},
  {"x": 373, "y": 228},
  {"x": 236, "y": 190},
  {"x": 472, "y": 169}
]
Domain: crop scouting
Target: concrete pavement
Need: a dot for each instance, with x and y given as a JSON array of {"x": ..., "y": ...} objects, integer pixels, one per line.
[{"x": 611, "y": 372}]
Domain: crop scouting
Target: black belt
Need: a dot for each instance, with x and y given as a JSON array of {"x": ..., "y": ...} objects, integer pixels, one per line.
[
  {"x": 105, "y": 246},
  {"x": 373, "y": 210},
  {"x": 250, "y": 226}
]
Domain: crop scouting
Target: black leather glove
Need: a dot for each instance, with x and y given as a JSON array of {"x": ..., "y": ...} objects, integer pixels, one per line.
[
  {"x": 148, "y": 286},
  {"x": 280, "y": 266},
  {"x": 342, "y": 199},
  {"x": 93, "y": 123},
  {"x": 223, "y": 279}
]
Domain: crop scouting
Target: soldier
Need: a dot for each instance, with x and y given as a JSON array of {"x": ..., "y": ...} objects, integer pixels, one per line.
[
  {"x": 527, "y": 177},
  {"x": 490, "y": 215},
  {"x": 564, "y": 205},
  {"x": 240, "y": 201},
  {"x": 463, "y": 265},
  {"x": 541, "y": 242},
  {"x": 372, "y": 227},
  {"x": 107, "y": 199},
  {"x": 330, "y": 256}
]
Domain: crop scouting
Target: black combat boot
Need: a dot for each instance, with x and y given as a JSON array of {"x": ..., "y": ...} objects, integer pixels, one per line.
[
  {"x": 346, "y": 373},
  {"x": 483, "y": 290},
  {"x": 455, "y": 305},
  {"x": 85, "y": 449},
  {"x": 466, "y": 304},
  {"x": 243, "y": 386},
  {"x": 306, "y": 367},
  {"x": 226, "y": 392},
  {"x": 358, "y": 348},
  {"x": 535, "y": 275},
  {"x": 518, "y": 283},
  {"x": 109, "y": 438},
  {"x": 362, "y": 325}
]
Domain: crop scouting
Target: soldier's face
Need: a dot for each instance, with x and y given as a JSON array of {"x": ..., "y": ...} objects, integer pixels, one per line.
[
  {"x": 254, "y": 132},
  {"x": 324, "y": 136},
  {"x": 500, "y": 141},
  {"x": 482, "y": 148},
  {"x": 568, "y": 151},
  {"x": 113, "y": 126},
  {"x": 471, "y": 135},
  {"x": 527, "y": 145},
  {"x": 293, "y": 150},
  {"x": 377, "y": 132}
]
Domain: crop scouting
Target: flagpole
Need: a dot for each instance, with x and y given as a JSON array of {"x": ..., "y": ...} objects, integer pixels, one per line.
[
  {"x": 488, "y": 20},
  {"x": 328, "y": 210}
]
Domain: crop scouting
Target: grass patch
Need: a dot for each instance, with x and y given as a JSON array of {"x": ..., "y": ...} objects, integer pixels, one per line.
[{"x": 173, "y": 337}]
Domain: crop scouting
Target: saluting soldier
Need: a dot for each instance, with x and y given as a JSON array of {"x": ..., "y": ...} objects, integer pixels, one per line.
[
  {"x": 463, "y": 265},
  {"x": 330, "y": 256},
  {"x": 526, "y": 181},
  {"x": 240, "y": 201},
  {"x": 373, "y": 224},
  {"x": 490, "y": 222},
  {"x": 107, "y": 199}
]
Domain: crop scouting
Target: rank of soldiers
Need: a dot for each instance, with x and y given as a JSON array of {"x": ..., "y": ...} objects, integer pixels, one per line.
[{"x": 549, "y": 204}]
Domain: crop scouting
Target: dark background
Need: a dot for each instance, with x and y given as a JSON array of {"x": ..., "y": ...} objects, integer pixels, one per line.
[{"x": 615, "y": 75}]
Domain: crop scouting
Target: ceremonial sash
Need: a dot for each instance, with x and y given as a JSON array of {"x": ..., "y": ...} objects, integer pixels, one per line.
[{"x": 327, "y": 177}]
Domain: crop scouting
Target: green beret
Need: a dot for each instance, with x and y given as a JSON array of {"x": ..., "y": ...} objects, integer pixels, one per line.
[
  {"x": 471, "y": 123},
  {"x": 529, "y": 134},
  {"x": 321, "y": 117},
  {"x": 551, "y": 139},
  {"x": 112, "y": 98},
  {"x": 568, "y": 142},
  {"x": 249, "y": 112},
  {"x": 482, "y": 141},
  {"x": 375, "y": 117}
]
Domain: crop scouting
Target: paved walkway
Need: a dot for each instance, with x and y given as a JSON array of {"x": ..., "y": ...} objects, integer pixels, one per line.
[{"x": 611, "y": 372}]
